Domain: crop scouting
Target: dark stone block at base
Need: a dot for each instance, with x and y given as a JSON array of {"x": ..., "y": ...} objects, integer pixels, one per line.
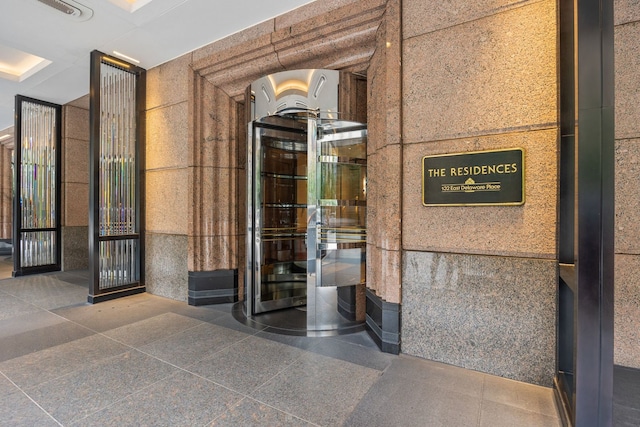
[
  {"x": 213, "y": 287},
  {"x": 108, "y": 296},
  {"x": 383, "y": 323},
  {"x": 347, "y": 302}
]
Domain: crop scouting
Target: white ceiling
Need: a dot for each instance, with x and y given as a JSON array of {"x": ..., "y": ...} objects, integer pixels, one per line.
[{"x": 158, "y": 31}]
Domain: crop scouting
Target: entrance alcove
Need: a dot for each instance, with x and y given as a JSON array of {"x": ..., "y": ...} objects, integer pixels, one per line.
[{"x": 361, "y": 37}]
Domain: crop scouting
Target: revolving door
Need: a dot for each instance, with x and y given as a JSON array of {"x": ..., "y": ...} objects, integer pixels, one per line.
[{"x": 306, "y": 244}]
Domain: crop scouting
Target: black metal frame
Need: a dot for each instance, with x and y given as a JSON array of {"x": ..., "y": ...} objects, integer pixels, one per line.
[
  {"x": 17, "y": 216},
  {"x": 95, "y": 293},
  {"x": 584, "y": 363}
]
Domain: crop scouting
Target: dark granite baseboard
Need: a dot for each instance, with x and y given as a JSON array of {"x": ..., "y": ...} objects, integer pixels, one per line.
[
  {"x": 383, "y": 322},
  {"x": 213, "y": 287},
  {"x": 626, "y": 396}
]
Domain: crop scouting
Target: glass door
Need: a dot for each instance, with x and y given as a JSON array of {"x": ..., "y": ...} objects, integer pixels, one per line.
[
  {"x": 339, "y": 224},
  {"x": 278, "y": 213},
  {"x": 307, "y": 216}
]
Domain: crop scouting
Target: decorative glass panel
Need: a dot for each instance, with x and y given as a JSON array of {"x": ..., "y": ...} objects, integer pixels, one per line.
[
  {"x": 37, "y": 248},
  {"x": 118, "y": 263},
  {"x": 116, "y": 145},
  {"x": 37, "y": 180},
  {"x": 117, "y": 152}
]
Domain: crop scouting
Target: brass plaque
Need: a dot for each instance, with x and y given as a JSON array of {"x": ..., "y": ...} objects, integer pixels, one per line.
[{"x": 478, "y": 178}]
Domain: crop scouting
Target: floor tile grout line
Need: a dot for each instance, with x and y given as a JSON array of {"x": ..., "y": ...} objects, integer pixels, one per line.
[
  {"x": 123, "y": 398},
  {"x": 31, "y": 399},
  {"x": 45, "y": 297},
  {"x": 186, "y": 370},
  {"x": 245, "y": 397},
  {"x": 304, "y": 352}
]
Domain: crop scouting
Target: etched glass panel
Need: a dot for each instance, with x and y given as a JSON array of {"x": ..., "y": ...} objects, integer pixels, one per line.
[
  {"x": 37, "y": 184},
  {"x": 117, "y": 152},
  {"x": 117, "y": 177},
  {"x": 118, "y": 263},
  {"x": 37, "y": 248}
]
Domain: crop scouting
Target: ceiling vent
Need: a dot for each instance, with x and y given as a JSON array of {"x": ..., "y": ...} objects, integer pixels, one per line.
[{"x": 71, "y": 8}]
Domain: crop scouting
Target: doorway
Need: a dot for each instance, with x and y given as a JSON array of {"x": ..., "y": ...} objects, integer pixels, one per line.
[{"x": 307, "y": 175}]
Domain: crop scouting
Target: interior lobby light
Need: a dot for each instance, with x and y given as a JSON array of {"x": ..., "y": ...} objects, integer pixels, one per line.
[
  {"x": 3, "y": 137},
  {"x": 128, "y": 58},
  {"x": 130, "y": 5},
  {"x": 16, "y": 65}
]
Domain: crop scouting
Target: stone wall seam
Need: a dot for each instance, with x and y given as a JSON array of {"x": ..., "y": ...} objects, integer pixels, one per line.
[
  {"x": 490, "y": 132},
  {"x": 497, "y": 11},
  {"x": 168, "y": 105}
]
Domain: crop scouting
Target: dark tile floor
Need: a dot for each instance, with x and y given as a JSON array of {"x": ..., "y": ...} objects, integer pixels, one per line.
[{"x": 147, "y": 360}]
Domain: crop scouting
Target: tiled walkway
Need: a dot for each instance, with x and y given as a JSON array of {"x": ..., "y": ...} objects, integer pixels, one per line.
[{"x": 147, "y": 360}]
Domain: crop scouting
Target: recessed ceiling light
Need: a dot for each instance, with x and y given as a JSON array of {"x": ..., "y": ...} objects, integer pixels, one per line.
[
  {"x": 130, "y": 5},
  {"x": 16, "y": 65},
  {"x": 128, "y": 58}
]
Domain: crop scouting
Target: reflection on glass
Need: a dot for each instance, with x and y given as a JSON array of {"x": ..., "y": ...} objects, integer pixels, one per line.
[
  {"x": 117, "y": 166},
  {"x": 342, "y": 207},
  {"x": 37, "y": 248},
  {"x": 118, "y": 263},
  {"x": 117, "y": 152},
  {"x": 38, "y": 184},
  {"x": 284, "y": 216}
]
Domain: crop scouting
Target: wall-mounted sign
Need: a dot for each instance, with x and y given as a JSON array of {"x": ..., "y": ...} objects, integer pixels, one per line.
[{"x": 476, "y": 178}]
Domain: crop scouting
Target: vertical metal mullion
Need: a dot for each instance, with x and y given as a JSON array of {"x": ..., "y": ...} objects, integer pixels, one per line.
[
  {"x": 97, "y": 141},
  {"x": 18, "y": 174},
  {"x": 249, "y": 276},
  {"x": 313, "y": 258},
  {"x": 140, "y": 90},
  {"x": 257, "y": 217},
  {"x": 594, "y": 267}
]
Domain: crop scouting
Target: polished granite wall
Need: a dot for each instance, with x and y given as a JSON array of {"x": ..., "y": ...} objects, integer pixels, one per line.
[
  {"x": 168, "y": 150},
  {"x": 627, "y": 232},
  {"x": 6, "y": 202},
  {"x": 75, "y": 184},
  {"x": 384, "y": 160},
  {"x": 478, "y": 283},
  {"x": 486, "y": 313}
]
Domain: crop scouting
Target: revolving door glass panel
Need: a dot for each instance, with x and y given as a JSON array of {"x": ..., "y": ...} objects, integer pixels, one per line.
[
  {"x": 342, "y": 178},
  {"x": 280, "y": 213}
]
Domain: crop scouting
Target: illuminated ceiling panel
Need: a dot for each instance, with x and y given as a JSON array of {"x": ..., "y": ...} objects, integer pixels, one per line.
[
  {"x": 130, "y": 5},
  {"x": 17, "y": 66}
]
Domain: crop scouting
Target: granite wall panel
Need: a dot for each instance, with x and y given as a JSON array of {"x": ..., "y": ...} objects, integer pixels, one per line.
[
  {"x": 627, "y": 78},
  {"x": 627, "y": 310},
  {"x": 75, "y": 204},
  {"x": 627, "y": 170},
  {"x": 491, "y": 314},
  {"x": 6, "y": 191},
  {"x": 76, "y": 160},
  {"x": 168, "y": 84},
  {"x": 625, "y": 11},
  {"x": 166, "y": 271},
  {"x": 76, "y": 122},
  {"x": 491, "y": 75},
  {"x": 421, "y": 17},
  {"x": 627, "y": 199},
  {"x": 75, "y": 248},
  {"x": 525, "y": 231},
  {"x": 167, "y": 137},
  {"x": 75, "y": 185},
  {"x": 166, "y": 201}
]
